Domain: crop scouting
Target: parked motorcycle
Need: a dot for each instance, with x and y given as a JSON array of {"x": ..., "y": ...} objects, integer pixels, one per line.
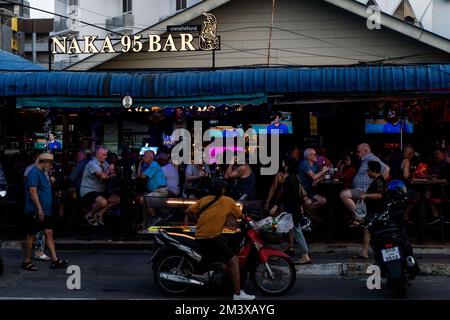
[
  {"x": 3, "y": 192},
  {"x": 179, "y": 265},
  {"x": 390, "y": 243}
]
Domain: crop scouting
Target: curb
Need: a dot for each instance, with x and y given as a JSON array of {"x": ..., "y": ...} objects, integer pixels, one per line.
[{"x": 355, "y": 269}]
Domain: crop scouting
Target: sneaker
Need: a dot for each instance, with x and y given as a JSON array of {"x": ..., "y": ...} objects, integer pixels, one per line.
[
  {"x": 243, "y": 296},
  {"x": 91, "y": 220}
]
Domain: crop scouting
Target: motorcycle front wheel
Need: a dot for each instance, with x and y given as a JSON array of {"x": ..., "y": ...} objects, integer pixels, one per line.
[
  {"x": 279, "y": 280},
  {"x": 170, "y": 263}
]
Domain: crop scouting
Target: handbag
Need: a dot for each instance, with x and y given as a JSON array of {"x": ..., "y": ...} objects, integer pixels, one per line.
[{"x": 361, "y": 210}]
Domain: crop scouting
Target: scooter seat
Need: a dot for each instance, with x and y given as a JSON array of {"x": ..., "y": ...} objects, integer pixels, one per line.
[{"x": 185, "y": 240}]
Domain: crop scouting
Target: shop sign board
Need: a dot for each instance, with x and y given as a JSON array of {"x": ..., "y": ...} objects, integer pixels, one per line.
[{"x": 179, "y": 38}]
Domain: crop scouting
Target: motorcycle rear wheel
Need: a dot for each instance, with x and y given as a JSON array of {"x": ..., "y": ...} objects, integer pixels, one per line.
[
  {"x": 169, "y": 263},
  {"x": 284, "y": 276},
  {"x": 401, "y": 289}
]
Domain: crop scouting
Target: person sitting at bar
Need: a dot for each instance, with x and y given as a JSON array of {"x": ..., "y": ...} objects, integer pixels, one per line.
[
  {"x": 76, "y": 174},
  {"x": 346, "y": 170},
  {"x": 322, "y": 157},
  {"x": 310, "y": 174},
  {"x": 244, "y": 187},
  {"x": 171, "y": 174},
  {"x": 407, "y": 169},
  {"x": 93, "y": 188},
  {"x": 156, "y": 185},
  {"x": 362, "y": 181},
  {"x": 193, "y": 180},
  {"x": 439, "y": 172}
]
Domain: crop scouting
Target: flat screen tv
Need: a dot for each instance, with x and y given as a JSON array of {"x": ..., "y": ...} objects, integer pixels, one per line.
[
  {"x": 377, "y": 126},
  {"x": 279, "y": 120},
  {"x": 143, "y": 149}
]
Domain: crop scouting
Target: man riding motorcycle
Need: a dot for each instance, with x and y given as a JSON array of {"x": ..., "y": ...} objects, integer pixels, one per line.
[{"x": 211, "y": 213}]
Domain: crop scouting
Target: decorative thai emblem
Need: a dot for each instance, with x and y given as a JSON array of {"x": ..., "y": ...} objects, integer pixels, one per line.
[{"x": 208, "y": 35}]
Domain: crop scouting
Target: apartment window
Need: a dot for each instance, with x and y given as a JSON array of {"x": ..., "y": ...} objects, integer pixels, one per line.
[
  {"x": 181, "y": 4},
  {"x": 127, "y": 6}
]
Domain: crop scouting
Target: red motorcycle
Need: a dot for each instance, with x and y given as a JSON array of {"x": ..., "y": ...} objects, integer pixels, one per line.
[{"x": 179, "y": 265}]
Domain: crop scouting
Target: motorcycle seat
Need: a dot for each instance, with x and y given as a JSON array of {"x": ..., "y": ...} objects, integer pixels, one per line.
[{"x": 185, "y": 240}]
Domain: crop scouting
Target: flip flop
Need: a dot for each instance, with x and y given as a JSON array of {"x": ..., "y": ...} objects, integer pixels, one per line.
[
  {"x": 360, "y": 256},
  {"x": 301, "y": 262}
]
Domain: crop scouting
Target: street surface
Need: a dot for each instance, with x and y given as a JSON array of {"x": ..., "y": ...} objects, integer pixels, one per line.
[{"x": 126, "y": 275}]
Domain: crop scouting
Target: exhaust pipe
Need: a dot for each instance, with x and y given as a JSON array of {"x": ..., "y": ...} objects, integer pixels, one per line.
[{"x": 180, "y": 279}]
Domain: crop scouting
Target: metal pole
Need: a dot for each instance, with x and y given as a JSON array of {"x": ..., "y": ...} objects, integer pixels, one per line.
[
  {"x": 49, "y": 55},
  {"x": 34, "y": 46},
  {"x": 401, "y": 133}
]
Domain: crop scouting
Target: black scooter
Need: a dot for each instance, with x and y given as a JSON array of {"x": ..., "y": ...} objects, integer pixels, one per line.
[
  {"x": 3, "y": 192},
  {"x": 391, "y": 245}
]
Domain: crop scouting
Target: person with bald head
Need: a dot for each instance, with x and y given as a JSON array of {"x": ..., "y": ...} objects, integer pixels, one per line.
[
  {"x": 93, "y": 188},
  {"x": 361, "y": 181}
]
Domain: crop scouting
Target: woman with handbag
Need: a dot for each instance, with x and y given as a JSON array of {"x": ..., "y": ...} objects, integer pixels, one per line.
[{"x": 291, "y": 201}]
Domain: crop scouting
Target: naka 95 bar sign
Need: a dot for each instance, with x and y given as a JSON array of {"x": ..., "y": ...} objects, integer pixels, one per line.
[{"x": 179, "y": 38}]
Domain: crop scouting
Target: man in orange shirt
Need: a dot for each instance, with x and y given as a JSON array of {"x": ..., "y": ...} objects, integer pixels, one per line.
[{"x": 211, "y": 213}]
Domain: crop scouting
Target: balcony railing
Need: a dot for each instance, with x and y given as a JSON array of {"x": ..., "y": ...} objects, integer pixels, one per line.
[
  {"x": 64, "y": 25},
  {"x": 125, "y": 21}
]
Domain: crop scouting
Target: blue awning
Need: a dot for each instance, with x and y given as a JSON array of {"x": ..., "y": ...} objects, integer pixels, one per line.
[{"x": 230, "y": 82}]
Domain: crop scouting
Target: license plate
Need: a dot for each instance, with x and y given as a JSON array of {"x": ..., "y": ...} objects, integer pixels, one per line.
[{"x": 390, "y": 254}]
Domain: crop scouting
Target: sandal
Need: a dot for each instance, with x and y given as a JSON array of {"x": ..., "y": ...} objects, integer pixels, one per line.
[
  {"x": 302, "y": 261},
  {"x": 29, "y": 266},
  {"x": 59, "y": 264},
  {"x": 42, "y": 257}
]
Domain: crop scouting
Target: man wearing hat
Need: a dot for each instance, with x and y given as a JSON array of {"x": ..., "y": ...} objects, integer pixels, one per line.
[{"x": 38, "y": 211}]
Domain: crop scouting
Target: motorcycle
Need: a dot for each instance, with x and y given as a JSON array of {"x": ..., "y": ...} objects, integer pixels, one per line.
[
  {"x": 3, "y": 192},
  {"x": 391, "y": 245},
  {"x": 179, "y": 265}
]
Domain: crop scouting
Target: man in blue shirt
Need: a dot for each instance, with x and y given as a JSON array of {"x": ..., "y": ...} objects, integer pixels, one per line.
[
  {"x": 276, "y": 124},
  {"x": 52, "y": 144},
  {"x": 156, "y": 184},
  {"x": 38, "y": 211}
]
